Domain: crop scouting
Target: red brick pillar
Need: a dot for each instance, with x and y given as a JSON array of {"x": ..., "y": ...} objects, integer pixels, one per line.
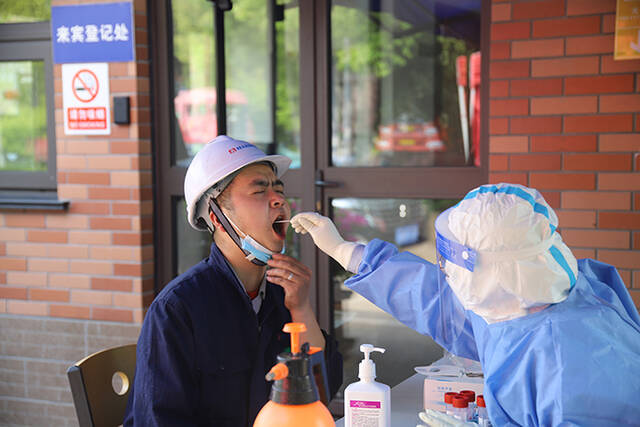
[
  {"x": 108, "y": 180},
  {"x": 95, "y": 260},
  {"x": 564, "y": 118}
]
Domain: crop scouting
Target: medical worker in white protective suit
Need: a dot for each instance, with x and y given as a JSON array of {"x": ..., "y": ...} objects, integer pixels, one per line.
[{"x": 558, "y": 339}]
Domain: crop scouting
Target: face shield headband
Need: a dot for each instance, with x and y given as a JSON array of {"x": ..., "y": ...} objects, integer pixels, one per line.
[
  {"x": 452, "y": 251},
  {"x": 254, "y": 251}
]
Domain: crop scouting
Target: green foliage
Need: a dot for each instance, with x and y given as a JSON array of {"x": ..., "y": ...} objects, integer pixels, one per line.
[
  {"x": 288, "y": 80},
  {"x": 24, "y": 10},
  {"x": 248, "y": 62},
  {"x": 26, "y": 122},
  {"x": 193, "y": 44},
  {"x": 19, "y": 134},
  {"x": 367, "y": 46},
  {"x": 365, "y": 42}
]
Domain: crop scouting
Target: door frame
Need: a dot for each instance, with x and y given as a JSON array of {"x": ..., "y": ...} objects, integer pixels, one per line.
[
  {"x": 315, "y": 149},
  {"x": 372, "y": 182}
]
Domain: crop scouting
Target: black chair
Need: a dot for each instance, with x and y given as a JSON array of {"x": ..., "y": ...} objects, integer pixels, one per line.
[{"x": 100, "y": 385}]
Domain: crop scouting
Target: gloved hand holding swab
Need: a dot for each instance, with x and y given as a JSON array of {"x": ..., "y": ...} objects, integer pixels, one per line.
[{"x": 325, "y": 235}]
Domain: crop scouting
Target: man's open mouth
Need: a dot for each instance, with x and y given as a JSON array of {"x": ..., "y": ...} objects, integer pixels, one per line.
[{"x": 280, "y": 228}]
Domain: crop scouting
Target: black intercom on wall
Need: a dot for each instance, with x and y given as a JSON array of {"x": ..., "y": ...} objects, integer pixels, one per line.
[{"x": 121, "y": 114}]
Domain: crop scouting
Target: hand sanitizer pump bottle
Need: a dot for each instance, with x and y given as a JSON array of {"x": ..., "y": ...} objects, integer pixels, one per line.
[{"x": 367, "y": 402}]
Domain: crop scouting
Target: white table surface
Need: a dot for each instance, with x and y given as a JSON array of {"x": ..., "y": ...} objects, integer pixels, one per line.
[{"x": 406, "y": 402}]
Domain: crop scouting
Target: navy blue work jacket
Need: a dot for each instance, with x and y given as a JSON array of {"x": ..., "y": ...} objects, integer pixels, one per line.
[{"x": 203, "y": 352}]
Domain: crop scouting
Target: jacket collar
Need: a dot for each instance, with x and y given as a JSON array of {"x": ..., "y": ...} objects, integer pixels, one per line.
[
  {"x": 274, "y": 294},
  {"x": 218, "y": 262}
]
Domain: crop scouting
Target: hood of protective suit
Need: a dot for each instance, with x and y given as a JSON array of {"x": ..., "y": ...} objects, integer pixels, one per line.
[{"x": 519, "y": 261}]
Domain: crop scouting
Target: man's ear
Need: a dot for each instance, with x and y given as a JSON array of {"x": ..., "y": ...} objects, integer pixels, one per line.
[{"x": 216, "y": 223}]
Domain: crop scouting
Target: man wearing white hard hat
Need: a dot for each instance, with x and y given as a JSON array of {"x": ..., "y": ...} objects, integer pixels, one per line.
[
  {"x": 212, "y": 333},
  {"x": 558, "y": 339}
]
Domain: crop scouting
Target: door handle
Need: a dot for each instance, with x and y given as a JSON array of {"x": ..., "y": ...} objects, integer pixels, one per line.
[
  {"x": 320, "y": 184},
  {"x": 323, "y": 183}
]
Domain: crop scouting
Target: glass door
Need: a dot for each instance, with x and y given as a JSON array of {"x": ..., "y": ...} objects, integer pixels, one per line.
[
  {"x": 378, "y": 104},
  {"x": 245, "y": 53},
  {"x": 399, "y": 143}
]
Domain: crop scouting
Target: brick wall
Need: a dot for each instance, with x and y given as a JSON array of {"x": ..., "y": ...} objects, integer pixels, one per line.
[
  {"x": 93, "y": 262},
  {"x": 35, "y": 353},
  {"x": 565, "y": 119}
]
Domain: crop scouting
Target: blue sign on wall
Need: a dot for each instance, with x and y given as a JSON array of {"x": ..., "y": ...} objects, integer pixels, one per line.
[{"x": 92, "y": 33}]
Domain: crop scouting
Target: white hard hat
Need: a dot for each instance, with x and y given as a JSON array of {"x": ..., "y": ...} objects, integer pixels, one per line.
[
  {"x": 219, "y": 159},
  {"x": 501, "y": 253}
]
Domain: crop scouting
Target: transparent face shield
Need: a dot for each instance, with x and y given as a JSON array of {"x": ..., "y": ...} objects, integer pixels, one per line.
[{"x": 456, "y": 262}]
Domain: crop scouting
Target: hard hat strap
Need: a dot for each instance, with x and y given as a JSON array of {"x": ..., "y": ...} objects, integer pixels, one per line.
[{"x": 229, "y": 229}]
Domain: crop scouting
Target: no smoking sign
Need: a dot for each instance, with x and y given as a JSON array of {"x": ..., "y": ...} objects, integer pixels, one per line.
[
  {"x": 85, "y": 99},
  {"x": 85, "y": 85}
]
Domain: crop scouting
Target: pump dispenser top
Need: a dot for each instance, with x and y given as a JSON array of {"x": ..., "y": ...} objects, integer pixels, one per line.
[{"x": 367, "y": 371}]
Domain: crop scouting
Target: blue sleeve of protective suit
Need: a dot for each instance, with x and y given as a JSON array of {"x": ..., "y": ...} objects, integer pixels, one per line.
[
  {"x": 165, "y": 388},
  {"x": 575, "y": 363},
  {"x": 607, "y": 274},
  {"x": 406, "y": 286}
]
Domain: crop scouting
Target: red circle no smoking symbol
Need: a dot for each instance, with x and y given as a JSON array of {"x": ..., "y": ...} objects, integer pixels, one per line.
[{"x": 85, "y": 85}]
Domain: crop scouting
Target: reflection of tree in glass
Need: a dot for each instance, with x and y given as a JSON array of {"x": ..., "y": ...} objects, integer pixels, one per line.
[
  {"x": 365, "y": 41},
  {"x": 23, "y": 116},
  {"x": 193, "y": 47},
  {"x": 388, "y": 72},
  {"x": 288, "y": 82},
  {"x": 248, "y": 64},
  {"x": 24, "y": 11}
]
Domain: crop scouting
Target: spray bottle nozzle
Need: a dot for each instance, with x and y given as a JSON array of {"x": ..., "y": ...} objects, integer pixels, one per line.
[{"x": 278, "y": 372}]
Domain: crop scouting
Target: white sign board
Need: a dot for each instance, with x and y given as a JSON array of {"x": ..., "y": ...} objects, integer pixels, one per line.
[{"x": 85, "y": 99}]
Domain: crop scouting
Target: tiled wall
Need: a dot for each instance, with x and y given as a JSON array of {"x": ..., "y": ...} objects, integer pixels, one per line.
[
  {"x": 35, "y": 353},
  {"x": 565, "y": 119}
]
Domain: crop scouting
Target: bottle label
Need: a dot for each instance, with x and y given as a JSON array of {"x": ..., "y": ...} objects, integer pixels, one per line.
[{"x": 365, "y": 413}]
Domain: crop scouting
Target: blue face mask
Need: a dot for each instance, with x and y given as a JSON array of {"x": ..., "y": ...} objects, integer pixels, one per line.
[{"x": 255, "y": 249}]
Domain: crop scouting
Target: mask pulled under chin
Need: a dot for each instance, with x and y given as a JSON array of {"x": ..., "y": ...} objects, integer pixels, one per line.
[{"x": 255, "y": 250}]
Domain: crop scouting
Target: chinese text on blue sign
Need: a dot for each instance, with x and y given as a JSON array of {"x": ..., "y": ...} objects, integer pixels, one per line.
[{"x": 92, "y": 33}]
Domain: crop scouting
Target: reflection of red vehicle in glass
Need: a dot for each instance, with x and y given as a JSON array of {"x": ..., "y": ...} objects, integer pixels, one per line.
[
  {"x": 409, "y": 137},
  {"x": 40, "y": 149},
  {"x": 196, "y": 114}
]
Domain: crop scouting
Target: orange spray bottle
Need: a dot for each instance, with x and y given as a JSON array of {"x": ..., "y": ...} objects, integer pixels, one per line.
[{"x": 294, "y": 400}]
